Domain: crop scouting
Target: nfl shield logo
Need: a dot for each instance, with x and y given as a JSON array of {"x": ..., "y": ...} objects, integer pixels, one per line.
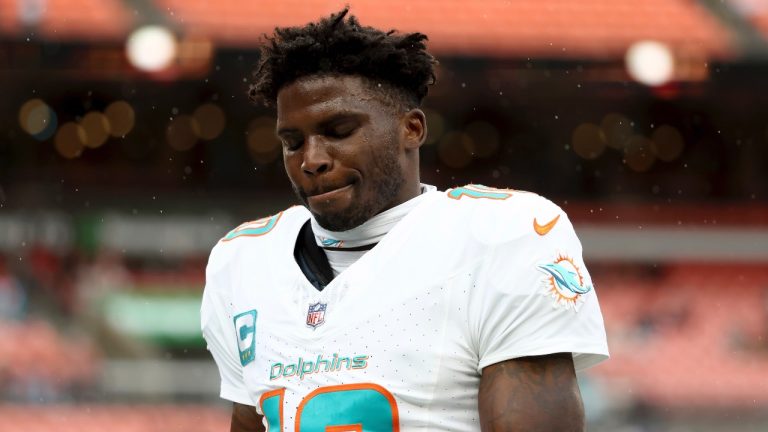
[{"x": 316, "y": 314}]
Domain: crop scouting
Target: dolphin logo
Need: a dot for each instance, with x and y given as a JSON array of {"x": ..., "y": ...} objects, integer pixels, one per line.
[{"x": 565, "y": 278}]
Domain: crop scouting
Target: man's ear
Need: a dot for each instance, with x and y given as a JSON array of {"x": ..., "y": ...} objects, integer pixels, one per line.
[{"x": 414, "y": 128}]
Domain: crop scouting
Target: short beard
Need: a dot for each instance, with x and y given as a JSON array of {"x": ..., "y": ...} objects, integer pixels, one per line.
[{"x": 386, "y": 176}]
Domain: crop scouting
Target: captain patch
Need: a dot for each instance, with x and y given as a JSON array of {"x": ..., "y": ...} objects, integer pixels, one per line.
[{"x": 245, "y": 327}]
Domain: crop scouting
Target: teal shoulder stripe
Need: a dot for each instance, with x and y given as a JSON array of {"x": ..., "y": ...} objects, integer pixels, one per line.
[{"x": 254, "y": 229}]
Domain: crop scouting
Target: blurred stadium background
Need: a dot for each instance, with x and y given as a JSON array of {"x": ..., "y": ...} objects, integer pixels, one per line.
[{"x": 128, "y": 148}]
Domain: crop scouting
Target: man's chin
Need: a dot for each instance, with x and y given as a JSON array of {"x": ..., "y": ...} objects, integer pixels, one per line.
[
  {"x": 339, "y": 213},
  {"x": 338, "y": 221}
]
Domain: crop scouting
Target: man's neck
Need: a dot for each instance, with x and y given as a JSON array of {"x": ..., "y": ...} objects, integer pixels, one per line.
[{"x": 370, "y": 232}]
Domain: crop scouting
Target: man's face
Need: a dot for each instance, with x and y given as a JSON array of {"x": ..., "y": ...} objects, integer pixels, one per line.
[{"x": 341, "y": 149}]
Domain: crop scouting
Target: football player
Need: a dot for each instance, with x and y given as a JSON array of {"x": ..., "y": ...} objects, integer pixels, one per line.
[{"x": 382, "y": 304}]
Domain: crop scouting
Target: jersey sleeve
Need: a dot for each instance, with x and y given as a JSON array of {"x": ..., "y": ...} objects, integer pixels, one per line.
[
  {"x": 536, "y": 296},
  {"x": 218, "y": 330}
]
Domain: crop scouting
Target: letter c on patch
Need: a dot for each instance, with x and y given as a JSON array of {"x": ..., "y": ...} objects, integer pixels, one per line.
[{"x": 245, "y": 328}]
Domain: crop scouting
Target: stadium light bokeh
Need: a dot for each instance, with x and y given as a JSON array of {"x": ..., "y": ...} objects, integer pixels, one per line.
[
  {"x": 182, "y": 132},
  {"x": 651, "y": 63},
  {"x": 97, "y": 129},
  {"x": 70, "y": 140},
  {"x": 588, "y": 141},
  {"x": 667, "y": 142},
  {"x": 151, "y": 48},
  {"x": 455, "y": 149},
  {"x": 617, "y": 129},
  {"x": 262, "y": 143},
  {"x": 638, "y": 154},
  {"x": 38, "y": 119},
  {"x": 210, "y": 119},
  {"x": 121, "y": 117}
]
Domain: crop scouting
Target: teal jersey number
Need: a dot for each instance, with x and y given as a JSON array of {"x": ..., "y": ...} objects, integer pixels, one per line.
[
  {"x": 272, "y": 407},
  {"x": 479, "y": 191},
  {"x": 351, "y": 407}
]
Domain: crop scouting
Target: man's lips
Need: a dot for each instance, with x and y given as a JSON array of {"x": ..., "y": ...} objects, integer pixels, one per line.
[
  {"x": 328, "y": 194},
  {"x": 328, "y": 187}
]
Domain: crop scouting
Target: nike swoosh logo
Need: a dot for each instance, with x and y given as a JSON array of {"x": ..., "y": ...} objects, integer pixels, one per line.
[{"x": 543, "y": 230}]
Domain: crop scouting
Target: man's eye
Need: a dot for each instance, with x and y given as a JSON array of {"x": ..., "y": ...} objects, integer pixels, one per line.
[
  {"x": 292, "y": 144},
  {"x": 341, "y": 131}
]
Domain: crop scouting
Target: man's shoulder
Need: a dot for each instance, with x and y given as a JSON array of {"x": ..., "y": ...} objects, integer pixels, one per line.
[
  {"x": 267, "y": 227},
  {"x": 259, "y": 235},
  {"x": 481, "y": 202},
  {"x": 505, "y": 198},
  {"x": 498, "y": 214}
]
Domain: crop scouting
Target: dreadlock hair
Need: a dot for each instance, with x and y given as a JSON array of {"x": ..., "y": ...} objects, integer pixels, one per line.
[{"x": 397, "y": 65}]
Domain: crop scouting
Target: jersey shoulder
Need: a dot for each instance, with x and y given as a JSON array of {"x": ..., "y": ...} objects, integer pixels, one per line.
[
  {"x": 276, "y": 225},
  {"x": 498, "y": 215},
  {"x": 260, "y": 235}
]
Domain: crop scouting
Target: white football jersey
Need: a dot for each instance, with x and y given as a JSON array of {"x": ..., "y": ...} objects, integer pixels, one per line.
[{"x": 470, "y": 277}]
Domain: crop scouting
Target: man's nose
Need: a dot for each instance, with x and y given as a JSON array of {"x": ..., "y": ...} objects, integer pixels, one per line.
[{"x": 316, "y": 157}]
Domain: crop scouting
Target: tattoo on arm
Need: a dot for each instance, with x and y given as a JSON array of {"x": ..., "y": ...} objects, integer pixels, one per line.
[
  {"x": 532, "y": 394},
  {"x": 245, "y": 419}
]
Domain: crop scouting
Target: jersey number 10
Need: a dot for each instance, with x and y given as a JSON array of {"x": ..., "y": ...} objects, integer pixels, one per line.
[{"x": 340, "y": 408}]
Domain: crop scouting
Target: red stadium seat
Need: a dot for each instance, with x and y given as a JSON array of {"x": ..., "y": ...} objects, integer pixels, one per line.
[{"x": 693, "y": 337}]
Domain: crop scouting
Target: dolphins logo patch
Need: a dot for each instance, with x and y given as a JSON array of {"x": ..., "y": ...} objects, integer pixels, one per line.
[{"x": 564, "y": 282}]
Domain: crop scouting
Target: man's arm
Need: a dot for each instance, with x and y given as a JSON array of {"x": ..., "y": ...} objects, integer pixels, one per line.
[
  {"x": 531, "y": 394},
  {"x": 245, "y": 419}
]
